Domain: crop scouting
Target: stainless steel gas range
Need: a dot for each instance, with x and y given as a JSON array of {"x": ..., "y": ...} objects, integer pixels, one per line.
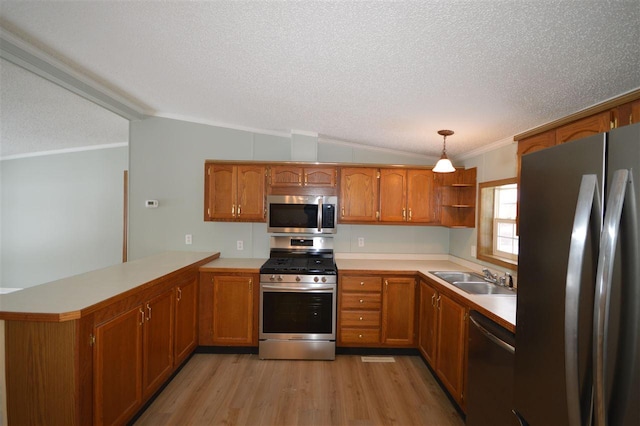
[{"x": 298, "y": 291}]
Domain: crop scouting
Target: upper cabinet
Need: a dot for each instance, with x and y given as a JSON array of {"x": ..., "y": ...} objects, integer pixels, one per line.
[
  {"x": 592, "y": 125},
  {"x": 408, "y": 196},
  {"x": 458, "y": 198},
  {"x": 294, "y": 180},
  {"x": 235, "y": 192},
  {"x": 366, "y": 194},
  {"x": 359, "y": 195},
  {"x": 601, "y": 118}
]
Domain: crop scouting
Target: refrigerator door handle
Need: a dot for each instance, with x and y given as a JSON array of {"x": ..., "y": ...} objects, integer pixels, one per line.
[
  {"x": 588, "y": 209},
  {"x": 604, "y": 276}
]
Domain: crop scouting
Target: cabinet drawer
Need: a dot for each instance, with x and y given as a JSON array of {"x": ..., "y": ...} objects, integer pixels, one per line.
[
  {"x": 356, "y": 283},
  {"x": 360, "y": 318},
  {"x": 364, "y": 301},
  {"x": 360, "y": 335}
]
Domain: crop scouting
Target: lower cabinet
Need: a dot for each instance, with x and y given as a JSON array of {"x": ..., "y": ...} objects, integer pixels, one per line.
[
  {"x": 398, "y": 306},
  {"x": 186, "y": 330},
  {"x": 133, "y": 356},
  {"x": 229, "y": 309},
  {"x": 376, "y": 311},
  {"x": 443, "y": 336},
  {"x": 117, "y": 373}
]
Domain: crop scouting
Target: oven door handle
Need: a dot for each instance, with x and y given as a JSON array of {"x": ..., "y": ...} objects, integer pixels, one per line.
[{"x": 281, "y": 288}]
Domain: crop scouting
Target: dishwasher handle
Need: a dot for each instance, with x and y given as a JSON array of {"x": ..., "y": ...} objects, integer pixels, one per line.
[{"x": 495, "y": 339}]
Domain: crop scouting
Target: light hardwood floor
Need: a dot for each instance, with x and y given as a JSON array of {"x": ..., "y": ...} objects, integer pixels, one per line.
[{"x": 215, "y": 389}]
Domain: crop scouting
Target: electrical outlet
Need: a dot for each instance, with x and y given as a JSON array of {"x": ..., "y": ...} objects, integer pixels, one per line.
[
  {"x": 473, "y": 251},
  {"x": 188, "y": 239},
  {"x": 240, "y": 245},
  {"x": 360, "y": 241}
]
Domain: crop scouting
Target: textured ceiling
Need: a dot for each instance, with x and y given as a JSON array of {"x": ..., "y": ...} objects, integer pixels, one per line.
[{"x": 387, "y": 74}]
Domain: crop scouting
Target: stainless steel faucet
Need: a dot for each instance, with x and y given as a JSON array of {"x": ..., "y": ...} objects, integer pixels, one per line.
[{"x": 505, "y": 281}]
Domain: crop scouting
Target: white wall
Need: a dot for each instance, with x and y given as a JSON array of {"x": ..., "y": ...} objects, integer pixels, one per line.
[
  {"x": 62, "y": 215},
  {"x": 167, "y": 163}
]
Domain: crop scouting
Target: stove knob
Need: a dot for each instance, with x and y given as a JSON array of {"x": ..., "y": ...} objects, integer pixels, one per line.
[
  {"x": 280, "y": 278},
  {"x": 272, "y": 278},
  {"x": 324, "y": 279},
  {"x": 315, "y": 279},
  {"x": 298, "y": 278}
]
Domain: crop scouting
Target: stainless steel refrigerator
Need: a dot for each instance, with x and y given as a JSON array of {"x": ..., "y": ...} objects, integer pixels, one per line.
[{"x": 577, "y": 358}]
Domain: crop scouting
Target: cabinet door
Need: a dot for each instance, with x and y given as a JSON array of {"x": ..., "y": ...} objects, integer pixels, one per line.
[
  {"x": 320, "y": 177},
  {"x": 428, "y": 323},
  {"x": 186, "y": 329},
  {"x": 157, "y": 346},
  {"x": 450, "y": 358},
  {"x": 251, "y": 194},
  {"x": 635, "y": 112},
  {"x": 118, "y": 368},
  {"x": 393, "y": 195},
  {"x": 286, "y": 176},
  {"x": 398, "y": 305},
  {"x": 592, "y": 125},
  {"x": 232, "y": 310},
  {"x": 358, "y": 194},
  {"x": 221, "y": 192},
  {"x": 422, "y": 201}
]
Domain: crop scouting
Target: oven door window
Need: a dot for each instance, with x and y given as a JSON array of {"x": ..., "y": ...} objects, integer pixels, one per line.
[{"x": 290, "y": 312}]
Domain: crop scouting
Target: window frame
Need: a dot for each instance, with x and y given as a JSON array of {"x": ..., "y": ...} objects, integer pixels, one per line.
[{"x": 485, "y": 234}]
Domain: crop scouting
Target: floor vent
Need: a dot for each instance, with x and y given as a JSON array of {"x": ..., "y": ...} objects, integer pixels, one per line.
[{"x": 377, "y": 359}]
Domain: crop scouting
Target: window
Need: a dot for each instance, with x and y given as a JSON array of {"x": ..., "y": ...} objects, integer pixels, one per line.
[{"x": 497, "y": 237}]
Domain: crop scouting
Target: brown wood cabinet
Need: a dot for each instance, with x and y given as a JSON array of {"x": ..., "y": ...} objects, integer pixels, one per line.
[
  {"x": 427, "y": 340},
  {"x": 228, "y": 309},
  {"x": 376, "y": 311},
  {"x": 458, "y": 199},
  {"x": 186, "y": 330},
  {"x": 359, "y": 200},
  {"x": 157, "y": 348},
  {"x": 133, "y": 357},
  {"x": 359, "y": 310},
  {"x": 398, "y": 305},
  {"x": 101, "y": 363},
  {"x": 443, "y": 336},
  {"x": 592, "y": 125},
  {"x": 117, "y": 376},
  {"x": 235, "y": 192},
  {"x": 294, "y": 179},
  {"x": 408, "y": 196}
]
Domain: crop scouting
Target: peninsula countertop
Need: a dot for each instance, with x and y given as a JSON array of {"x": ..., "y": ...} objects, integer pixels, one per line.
[{"x": 67, "y": 298}]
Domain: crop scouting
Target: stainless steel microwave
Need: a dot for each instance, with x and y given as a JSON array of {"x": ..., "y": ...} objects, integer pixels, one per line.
[{"x": 302, "y": 214}]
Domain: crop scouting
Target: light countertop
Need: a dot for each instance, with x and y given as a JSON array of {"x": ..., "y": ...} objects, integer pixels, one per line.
[
  {"x": 500, "y": 308},
  {"x": 65, "y": 299}
]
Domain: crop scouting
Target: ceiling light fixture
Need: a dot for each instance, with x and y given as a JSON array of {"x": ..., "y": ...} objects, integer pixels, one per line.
[{"x": 444, "y": 164}]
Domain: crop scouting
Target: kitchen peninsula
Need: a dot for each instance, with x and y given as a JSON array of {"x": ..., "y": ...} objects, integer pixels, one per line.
[{"x": 92, "y": 348}]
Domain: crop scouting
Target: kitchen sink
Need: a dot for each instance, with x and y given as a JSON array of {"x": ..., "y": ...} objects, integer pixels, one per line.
[
  {"x": 455, "y": 276},
  {"x": 472, "y": 283},
  {"x": 483, "y": 288}
]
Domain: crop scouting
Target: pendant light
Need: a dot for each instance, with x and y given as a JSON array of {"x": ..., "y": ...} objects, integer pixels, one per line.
[{"x": 444, "y": 164}]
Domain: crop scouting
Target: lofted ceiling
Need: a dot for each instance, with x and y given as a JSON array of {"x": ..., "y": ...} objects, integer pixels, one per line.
[{"x": 378, "y": 73}]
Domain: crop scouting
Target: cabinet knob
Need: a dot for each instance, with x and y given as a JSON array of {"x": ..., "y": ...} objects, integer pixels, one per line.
[
  {"x": 361, "y": 301},
  {"x": 360, "y": 336},
  {"x": 361, "y": 282},
  {"x": 360, "y": 318}
]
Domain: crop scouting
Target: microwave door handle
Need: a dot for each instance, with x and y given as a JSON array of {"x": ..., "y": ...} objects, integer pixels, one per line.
[
  {"x": 604, "y": 278},
  {"x": 320, "y": 215},
  {"x": 588, "y": 209}
]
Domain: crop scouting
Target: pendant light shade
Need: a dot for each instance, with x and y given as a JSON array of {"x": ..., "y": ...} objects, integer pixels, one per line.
[{"x": 444, "y": 164}]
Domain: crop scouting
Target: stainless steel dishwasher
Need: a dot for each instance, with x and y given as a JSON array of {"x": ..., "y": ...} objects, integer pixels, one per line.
[{"x": 490, "y": 373}]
